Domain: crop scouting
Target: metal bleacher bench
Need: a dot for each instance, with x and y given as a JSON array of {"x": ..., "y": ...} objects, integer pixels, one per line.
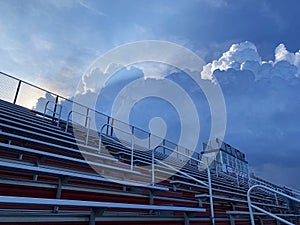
[
  {"x": 180, "y": 182},
  {"x": 91, "y": 204},
  {"x": 41, "y": 130},
  {"x": 259, "y": 214},
  {"x": 200, "y": 196},
  {"x": 29, "y": 151},
  {"x": 30, "y": 117},
  {"x": 10, "y": 136},
  {"x": 63, "y": 173},
  {"x": 98, "y": 208}
]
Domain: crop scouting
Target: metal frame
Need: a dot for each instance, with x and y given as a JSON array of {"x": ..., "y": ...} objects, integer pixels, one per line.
[
  {"x": 209, "y": 185},
  {"x": 154, "y": 160},
  {"x": 98, "y": 208},
  {"x": 56, "y": 105},
  {"x": 131, "y": 142},
  {"x": 250, "y": 205},
  {"x": 17, "y": 91},
  {"x": 87, "y": 124},
  {"x": 59, "y": 97}
]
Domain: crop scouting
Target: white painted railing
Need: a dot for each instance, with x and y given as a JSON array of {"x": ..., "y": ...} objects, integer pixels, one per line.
[
  {"x": 252, "y": 206},
  {"x": 56, "y": 111}
]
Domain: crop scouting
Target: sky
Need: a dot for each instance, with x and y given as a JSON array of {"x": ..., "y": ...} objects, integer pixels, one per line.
[{"x": 251, "y": 47}]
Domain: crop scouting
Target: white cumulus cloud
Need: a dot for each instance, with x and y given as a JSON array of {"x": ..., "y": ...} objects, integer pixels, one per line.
[{"x": 244, "y": 56}]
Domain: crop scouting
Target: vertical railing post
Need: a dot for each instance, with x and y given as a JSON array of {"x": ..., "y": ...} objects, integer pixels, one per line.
[
  {"x": 54, "y": 110},
  {"x": 111, "y": 127},
  {"x": 88, "y": 130},
  {"x": 276, "y": 199},
  {"x": 132, "y": 147},
  {"x": 45, "y": 109},
  {"x": 153, "y": 164},
  {"x": 210, "y": 196},
  {"x": 149, "y": 142},
  {"x": 87, "y": 116},
  {"x": 108, "y": 121},
  {"x": 17, "y": 91}
]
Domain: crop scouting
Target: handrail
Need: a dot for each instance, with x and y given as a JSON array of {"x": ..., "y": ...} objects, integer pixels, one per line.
[
  {"x": 131, "y": 137},
  {"x": 209, "y": 185},
  {"x": 250, "y": 205},
  {"x": 87, "y": 125},
  {"x": 42, "y": 89},
  {"x": 65, "y": 99},
  {"x": 294, "y": 191},
  {"x": 53, "y": 111}
]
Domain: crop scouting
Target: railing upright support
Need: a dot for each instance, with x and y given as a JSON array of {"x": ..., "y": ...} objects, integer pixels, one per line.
[
  {"x": 73, "y": 122},
  {"x": 87, "y": 116},
  {"x": 17, "y": 91},
  {"x": 211, "y": 197},
  {"x": 88, "y": 130},
  {"x": 132, "y": 147},
  {"x": 250, "y": 205},
  {"x": 149, "y": 142},
  {"x": 153, "y": 167},
  {"x": 55, "y": 107},
  {"x": 209, "y": 185}
]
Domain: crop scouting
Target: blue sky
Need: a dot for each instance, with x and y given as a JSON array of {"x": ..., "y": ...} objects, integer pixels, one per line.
[
  {"x": 59, "y": 39},
  {"x": 52, "y": 43}
]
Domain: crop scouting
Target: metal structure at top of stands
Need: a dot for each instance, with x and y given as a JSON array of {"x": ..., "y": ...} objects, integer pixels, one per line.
[
  {"x": 20, "y": 89},
  {"x": 108, "y": 124}
]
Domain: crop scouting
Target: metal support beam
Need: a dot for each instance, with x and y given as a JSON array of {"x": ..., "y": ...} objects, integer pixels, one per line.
[
  {"x": 232, "y": 221},
  {"x": 277, "y": 222},
  {"x": 61, "y": 182},
  {"x": 152, "y": 193},
  {"x": 187, "y": 216},
  {"x": 261, "y": 222},
  {"x": 17, "y": 91},
  {"x": 37, "y": 163},
  {"x": 55, "y": 107},
  {"x": 87, "y": 116},
  {"x": 233, "y": 206},
  {"x": 94, "y": 213},
  {"x": 200, "y": 202}
]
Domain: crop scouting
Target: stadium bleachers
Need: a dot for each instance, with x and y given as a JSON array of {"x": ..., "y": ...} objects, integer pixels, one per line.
[{"x": 50, "y": 177}]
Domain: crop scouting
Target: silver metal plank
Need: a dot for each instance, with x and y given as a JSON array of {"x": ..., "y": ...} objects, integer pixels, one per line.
[
  {"x": 51, "y": 172},
  {"x": 78, "y": 203}
]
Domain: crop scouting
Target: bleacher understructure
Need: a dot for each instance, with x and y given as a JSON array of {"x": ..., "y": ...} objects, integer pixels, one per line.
[{"x": 48, "y": 176}]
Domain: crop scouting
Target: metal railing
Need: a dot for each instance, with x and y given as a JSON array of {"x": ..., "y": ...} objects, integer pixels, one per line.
[
  {"x": 53, "y": 111},
  {"x": 86, "y": 125},
  {"x": 17, "y": 93},
  {"x": 208, "y": 185},
  {"x": 153, "y": 159},
  {"x": 102, "y": 118},
  {"x": 116, "y": 128},
  {"x": 253, "y": 181},
  {"x": 135, "y": 145},
  {"x": 252, "y": 206}
]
